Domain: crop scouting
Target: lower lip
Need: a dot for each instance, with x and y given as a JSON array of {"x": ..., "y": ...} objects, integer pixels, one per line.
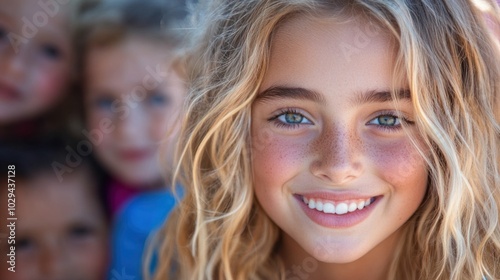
[
  {"x": 337, "y": 221},
  {"x": 134, "y": 155}
]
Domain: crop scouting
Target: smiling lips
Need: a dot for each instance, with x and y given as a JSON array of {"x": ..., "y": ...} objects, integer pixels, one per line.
[
  {"x": 135, "y": 154},
  {"x": 339, "y": 208}
]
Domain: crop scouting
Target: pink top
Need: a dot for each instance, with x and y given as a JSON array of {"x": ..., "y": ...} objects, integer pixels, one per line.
[{"x": 120, "y": 193}]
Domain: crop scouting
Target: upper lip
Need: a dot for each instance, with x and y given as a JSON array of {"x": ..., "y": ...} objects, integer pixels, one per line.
[
  {"x": 335, "y": 196},
  {"x": 135, "y": 152}
]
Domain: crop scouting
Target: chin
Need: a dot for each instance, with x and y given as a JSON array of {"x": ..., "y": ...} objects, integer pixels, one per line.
[
  {"x": 338, "y": 258},
  {"x": 143, "y": 181},
  {"x": 336, "y": 253}
]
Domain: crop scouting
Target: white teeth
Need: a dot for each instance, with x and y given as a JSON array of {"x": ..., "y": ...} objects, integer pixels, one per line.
[
  {"x": 361, "y": 205},
  {"x": 329, "y": 208},
  {"x": 339, "y": 209},
  {"x": 352, "y": 207},
  {"x": 319, "y": 206},
  {"x": 312, "y": 204}
]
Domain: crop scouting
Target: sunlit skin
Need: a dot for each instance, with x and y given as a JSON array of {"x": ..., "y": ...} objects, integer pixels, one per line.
[
  {"x": 61, "y": 232},
  {"x": 345, "y": 140},
  {"x": 141, "y": 108},
  {"x": 35, "y": 58}
]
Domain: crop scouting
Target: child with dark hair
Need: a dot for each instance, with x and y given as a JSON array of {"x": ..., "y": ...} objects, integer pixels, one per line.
[{"x": 61, "y": 227}]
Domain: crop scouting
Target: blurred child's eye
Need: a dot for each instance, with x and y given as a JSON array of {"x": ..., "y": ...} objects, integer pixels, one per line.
[
  {"x": 3, "y": 33},
  {"x": 103, "y": 103},
  {"x": 51, "y": 51},
  {"x": 80, "y": 231},
  {"x": 158, "y": 99},
  {"x": 289, "y": 119},
  {"x": 25, "y": 244}
]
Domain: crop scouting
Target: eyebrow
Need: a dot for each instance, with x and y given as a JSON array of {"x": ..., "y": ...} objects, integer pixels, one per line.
[
  {"x": 278, "y": 92},
  {"x": 373, "y": 96}
]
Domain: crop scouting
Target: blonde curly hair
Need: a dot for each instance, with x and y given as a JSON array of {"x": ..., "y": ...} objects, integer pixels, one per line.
[{"x": 219, "y": 231}]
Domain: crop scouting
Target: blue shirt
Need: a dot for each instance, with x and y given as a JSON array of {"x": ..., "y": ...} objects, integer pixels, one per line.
[{"x": 139, "y": 219}]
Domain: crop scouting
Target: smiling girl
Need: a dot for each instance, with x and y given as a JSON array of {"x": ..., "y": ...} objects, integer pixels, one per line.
[{"x": 339, "y": 140}]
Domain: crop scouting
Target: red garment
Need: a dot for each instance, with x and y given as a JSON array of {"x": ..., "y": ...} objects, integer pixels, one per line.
[{"x": 120, "y": 193}]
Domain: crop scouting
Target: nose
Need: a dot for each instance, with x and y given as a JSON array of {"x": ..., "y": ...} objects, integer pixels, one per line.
[
  {"x": 54, "y": 261},
  {"x": 13, "y": 62},
  {"x": 132, "y": 125},
  {"x": 338, "y": 153}
]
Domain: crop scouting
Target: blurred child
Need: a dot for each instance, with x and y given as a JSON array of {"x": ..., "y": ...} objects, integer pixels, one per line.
[
  {"x": 132, "y": 95},
  {"x": 61, "y": 228},
  {"x": 36, "y": 62},
  {"x": 132, "y": 91}
]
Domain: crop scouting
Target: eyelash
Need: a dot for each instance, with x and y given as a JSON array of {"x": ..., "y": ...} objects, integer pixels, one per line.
[
  {"x": 390, "y": 128},
  {"x": 275, "y": 120}
]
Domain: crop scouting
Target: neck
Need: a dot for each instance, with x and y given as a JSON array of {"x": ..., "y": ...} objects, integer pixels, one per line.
[{"x": 374, "y": 265}]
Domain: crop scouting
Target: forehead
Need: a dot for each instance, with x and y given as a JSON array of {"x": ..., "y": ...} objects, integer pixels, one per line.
[
  {"x": 330, "y": 52},
  {"x": 126, "y": 61},
  {"x": 35, "y": 16},
  {"x": 45, "y": 202},
  {"x": 131, "y": 50}
]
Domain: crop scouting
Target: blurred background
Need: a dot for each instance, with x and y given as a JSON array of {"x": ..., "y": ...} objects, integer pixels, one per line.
[
  {"x": 90, "y": 105},
  {"x": 90, "y": 98}
]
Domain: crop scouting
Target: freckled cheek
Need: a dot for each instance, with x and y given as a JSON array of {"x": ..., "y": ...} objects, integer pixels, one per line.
[
  {"x": 400, "y": 164},
  {"x": 162, "y": 122},
  {"x": 276, "y": 159}
]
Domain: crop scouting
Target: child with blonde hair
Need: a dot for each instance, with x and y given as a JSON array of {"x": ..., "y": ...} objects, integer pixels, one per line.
[
  {"x": 338, "y": 140},
  {"x": 132, "y": 93},
  {"x": 132, "y": 88},
  {"x": 36, "y": 68}
]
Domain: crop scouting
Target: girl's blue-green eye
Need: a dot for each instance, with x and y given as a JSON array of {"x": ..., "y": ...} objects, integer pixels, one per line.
[
  {"x": 293, "y": 118},
  {"x": 386, "y": 120},
  {"x": 289, "y": 119},
  {"x": 389, "y": 122}
]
